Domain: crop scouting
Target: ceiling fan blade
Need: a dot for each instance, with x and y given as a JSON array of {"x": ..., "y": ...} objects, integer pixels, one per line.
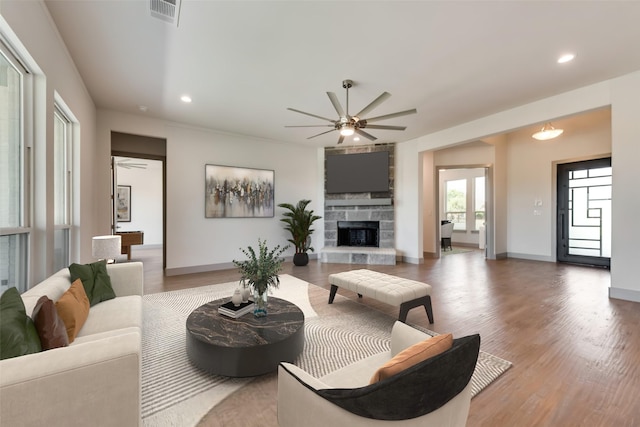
[
  {"x": 368, "y": 126},
  {"x": 341, "y": 139},
  {"x": 310, "y": 126},
  {"x": 379, "y": 100},
  {"x": 321, "y": 133},
  {"x": 312, "y": 115},
  {"x": 336, "y": 104},
  {"x": 392, "y": 115},
  {"x": 366, "y": 135}
]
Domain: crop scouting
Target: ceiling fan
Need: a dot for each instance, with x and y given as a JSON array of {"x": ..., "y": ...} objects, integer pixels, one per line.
[{"x": 347, "y": 124}]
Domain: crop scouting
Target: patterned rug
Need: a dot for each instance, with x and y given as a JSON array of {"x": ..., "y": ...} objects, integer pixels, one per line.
[{"x": 176, "y": 393}]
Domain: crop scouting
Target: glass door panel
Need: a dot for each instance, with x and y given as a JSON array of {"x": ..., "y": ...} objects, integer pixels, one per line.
[{"x": 584, "y": 212}]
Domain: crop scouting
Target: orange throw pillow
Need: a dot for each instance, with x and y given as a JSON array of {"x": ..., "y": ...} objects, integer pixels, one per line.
[
  {"x": 73, "y": 309},
  {"x": 413, "y": 355}
]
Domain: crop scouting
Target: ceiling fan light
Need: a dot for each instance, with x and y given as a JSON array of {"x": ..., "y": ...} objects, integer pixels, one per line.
[
  {"x": 346, "y": 130},
  {"x": 547, "y": 132}
]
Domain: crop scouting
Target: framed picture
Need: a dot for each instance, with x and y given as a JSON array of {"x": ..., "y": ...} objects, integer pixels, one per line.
[
  {"x": 123, "y": 203},
  {"x": 232, "y": 192}
]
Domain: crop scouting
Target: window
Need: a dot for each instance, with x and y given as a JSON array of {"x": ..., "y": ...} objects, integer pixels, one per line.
[
  {"x": 465, "y": 204},
  {"x": 456, "y": 211},
  {"x": 62, "y": 129},
  {"x": 14, "y": 196}
]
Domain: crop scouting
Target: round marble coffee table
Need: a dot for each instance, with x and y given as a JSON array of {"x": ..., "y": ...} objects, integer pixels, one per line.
[{"x": 247, "y": 346}]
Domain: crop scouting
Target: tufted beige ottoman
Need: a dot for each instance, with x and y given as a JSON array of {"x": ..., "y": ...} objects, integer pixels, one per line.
[{"x": 385, "y": 288}]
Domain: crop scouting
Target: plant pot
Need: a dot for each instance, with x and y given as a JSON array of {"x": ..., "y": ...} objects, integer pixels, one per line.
[{"x": 301, "y": 259}]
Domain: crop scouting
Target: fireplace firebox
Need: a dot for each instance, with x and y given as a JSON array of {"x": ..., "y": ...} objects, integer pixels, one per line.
[{"x": 359, "y": 233}]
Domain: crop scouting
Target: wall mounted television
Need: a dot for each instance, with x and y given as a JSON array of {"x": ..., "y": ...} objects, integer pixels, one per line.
[{"x": 357, "y": 173}]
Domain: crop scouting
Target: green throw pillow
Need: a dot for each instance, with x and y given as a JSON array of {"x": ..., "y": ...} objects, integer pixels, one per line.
[
  {"x": 18, "y": 334},
  {"x": 95, "y": 280}
]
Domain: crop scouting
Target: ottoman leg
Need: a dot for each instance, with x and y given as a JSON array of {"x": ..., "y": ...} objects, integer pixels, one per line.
[
  {"x": 332, "y": 293},
  {"x": 406, "y": 306},
  {"x": 429, "y": 309}
]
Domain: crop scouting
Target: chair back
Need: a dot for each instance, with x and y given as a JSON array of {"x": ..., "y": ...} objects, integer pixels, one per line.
[
  {"x": 416, "y": 391},
  {"x": 446, "y": 230}
]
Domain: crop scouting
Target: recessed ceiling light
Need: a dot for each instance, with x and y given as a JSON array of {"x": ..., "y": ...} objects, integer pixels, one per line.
[
  {"x": 566, "y": 58},
  {"x": 356, "y": 139},
  {"x": 185, "y": 98}
]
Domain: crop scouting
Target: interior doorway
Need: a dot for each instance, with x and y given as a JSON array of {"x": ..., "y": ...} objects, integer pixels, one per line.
[
  {"x": 465, "y": 199},
  {"x": 584, "y": 212},
  {"x": 132, "y": 155}
]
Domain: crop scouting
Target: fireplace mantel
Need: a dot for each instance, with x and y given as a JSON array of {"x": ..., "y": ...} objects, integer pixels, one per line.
[{"x": 359, "y": 202}]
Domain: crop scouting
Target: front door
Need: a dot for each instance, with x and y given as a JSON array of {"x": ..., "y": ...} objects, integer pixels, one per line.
[{"x": 584, "y": 212}]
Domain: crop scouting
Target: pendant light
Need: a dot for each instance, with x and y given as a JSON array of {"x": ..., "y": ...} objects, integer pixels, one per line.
[{"x": 547, "y": 132}]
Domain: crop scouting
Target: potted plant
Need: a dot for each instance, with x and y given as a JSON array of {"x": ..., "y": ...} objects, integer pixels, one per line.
[
  {"x": 260, "y": 272},
  {"x": 299, "y": 220}
]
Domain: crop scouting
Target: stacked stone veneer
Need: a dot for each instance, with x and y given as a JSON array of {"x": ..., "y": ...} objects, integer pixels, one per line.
[{"x": 361, "y": 207}]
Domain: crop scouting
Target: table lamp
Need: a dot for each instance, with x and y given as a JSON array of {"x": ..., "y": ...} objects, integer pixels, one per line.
[{"x": 106, "y": 247}]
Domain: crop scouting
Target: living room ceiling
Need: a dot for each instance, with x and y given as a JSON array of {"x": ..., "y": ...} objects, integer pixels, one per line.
[{"x": 243, "y": 63}]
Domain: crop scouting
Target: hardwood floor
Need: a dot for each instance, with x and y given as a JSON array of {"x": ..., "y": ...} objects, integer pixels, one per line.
[{"x": 575, "y": 352}]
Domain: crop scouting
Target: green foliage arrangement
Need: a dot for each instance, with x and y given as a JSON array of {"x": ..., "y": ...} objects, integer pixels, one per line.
[
  {"x": 260, "y": 270},
  {"x": 299, "y": 220}
]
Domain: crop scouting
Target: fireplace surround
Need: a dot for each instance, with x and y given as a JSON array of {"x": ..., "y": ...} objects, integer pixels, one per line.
[{"x": 359, "y": 243}]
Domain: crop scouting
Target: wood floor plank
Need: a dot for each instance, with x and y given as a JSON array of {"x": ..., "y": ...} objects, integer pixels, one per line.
[{"x": 575, "y": 352}]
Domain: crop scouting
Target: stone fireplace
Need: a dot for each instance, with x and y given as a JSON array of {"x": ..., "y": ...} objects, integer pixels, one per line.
[{"x": 360, "y": 228}]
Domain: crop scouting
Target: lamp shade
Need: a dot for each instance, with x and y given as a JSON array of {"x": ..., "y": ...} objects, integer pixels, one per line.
[{"x": 106, "y": 247}]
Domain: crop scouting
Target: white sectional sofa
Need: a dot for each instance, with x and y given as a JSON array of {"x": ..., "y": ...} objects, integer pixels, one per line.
[{"x": 96, "y": 379}]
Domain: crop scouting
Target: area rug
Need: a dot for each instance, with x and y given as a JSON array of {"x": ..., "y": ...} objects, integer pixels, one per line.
[
  {"x": 455, "y": 250},
  {"x": 174, "y": 393}
]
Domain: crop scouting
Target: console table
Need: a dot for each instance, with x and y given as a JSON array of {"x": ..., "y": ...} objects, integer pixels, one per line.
[
  {"x": 130, "y": 238},
  {"x": 247, "y": 346}
]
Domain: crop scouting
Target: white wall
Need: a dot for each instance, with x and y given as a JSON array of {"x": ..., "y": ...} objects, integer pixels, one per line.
[
  {"x": 28, "y": 27},
  {"x": 196, "y": 243},
  {"x": 531, "y": 176},
  {"x": 429, "y": 209},
  {"x": 626, "y": 189},
  {"x": 407, "y": 202},
  {"x": 146, "y": 199}
]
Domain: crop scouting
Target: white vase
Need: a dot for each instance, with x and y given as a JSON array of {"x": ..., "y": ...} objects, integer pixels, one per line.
[{"x": 236, "y": 299}]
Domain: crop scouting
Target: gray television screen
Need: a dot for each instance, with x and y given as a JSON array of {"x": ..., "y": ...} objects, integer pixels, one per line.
[{"x": 357, "y": 173}]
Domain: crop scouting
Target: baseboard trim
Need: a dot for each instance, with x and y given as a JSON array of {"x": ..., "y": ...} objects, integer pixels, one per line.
[
  {"x": 624, "y": 294},
  {"x": 214, "y": 267},
  {"x": 412, "y": 260},
  {"x": 525, "y": 256}
]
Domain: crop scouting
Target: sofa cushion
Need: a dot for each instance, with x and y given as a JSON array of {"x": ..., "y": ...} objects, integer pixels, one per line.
[
  {"x": 118, "y": 313},
  {"x": 53, "y": 287},
  {"x": 95, "y": 279},
  {"x": 18, "y": 335},
  {"x": 413, "y": 355},
  {"x": 73, "y": 308},
  {"x": 51, "y": 328}
]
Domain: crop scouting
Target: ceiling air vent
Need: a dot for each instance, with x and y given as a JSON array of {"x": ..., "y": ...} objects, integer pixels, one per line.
[{"x": 167, "y": 10}]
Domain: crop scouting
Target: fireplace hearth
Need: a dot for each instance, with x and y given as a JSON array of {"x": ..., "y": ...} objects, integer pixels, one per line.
[{"x": 359, "y": 233}]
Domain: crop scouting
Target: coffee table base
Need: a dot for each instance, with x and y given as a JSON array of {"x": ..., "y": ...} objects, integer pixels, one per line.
[{"x": 247, "y": 346}]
